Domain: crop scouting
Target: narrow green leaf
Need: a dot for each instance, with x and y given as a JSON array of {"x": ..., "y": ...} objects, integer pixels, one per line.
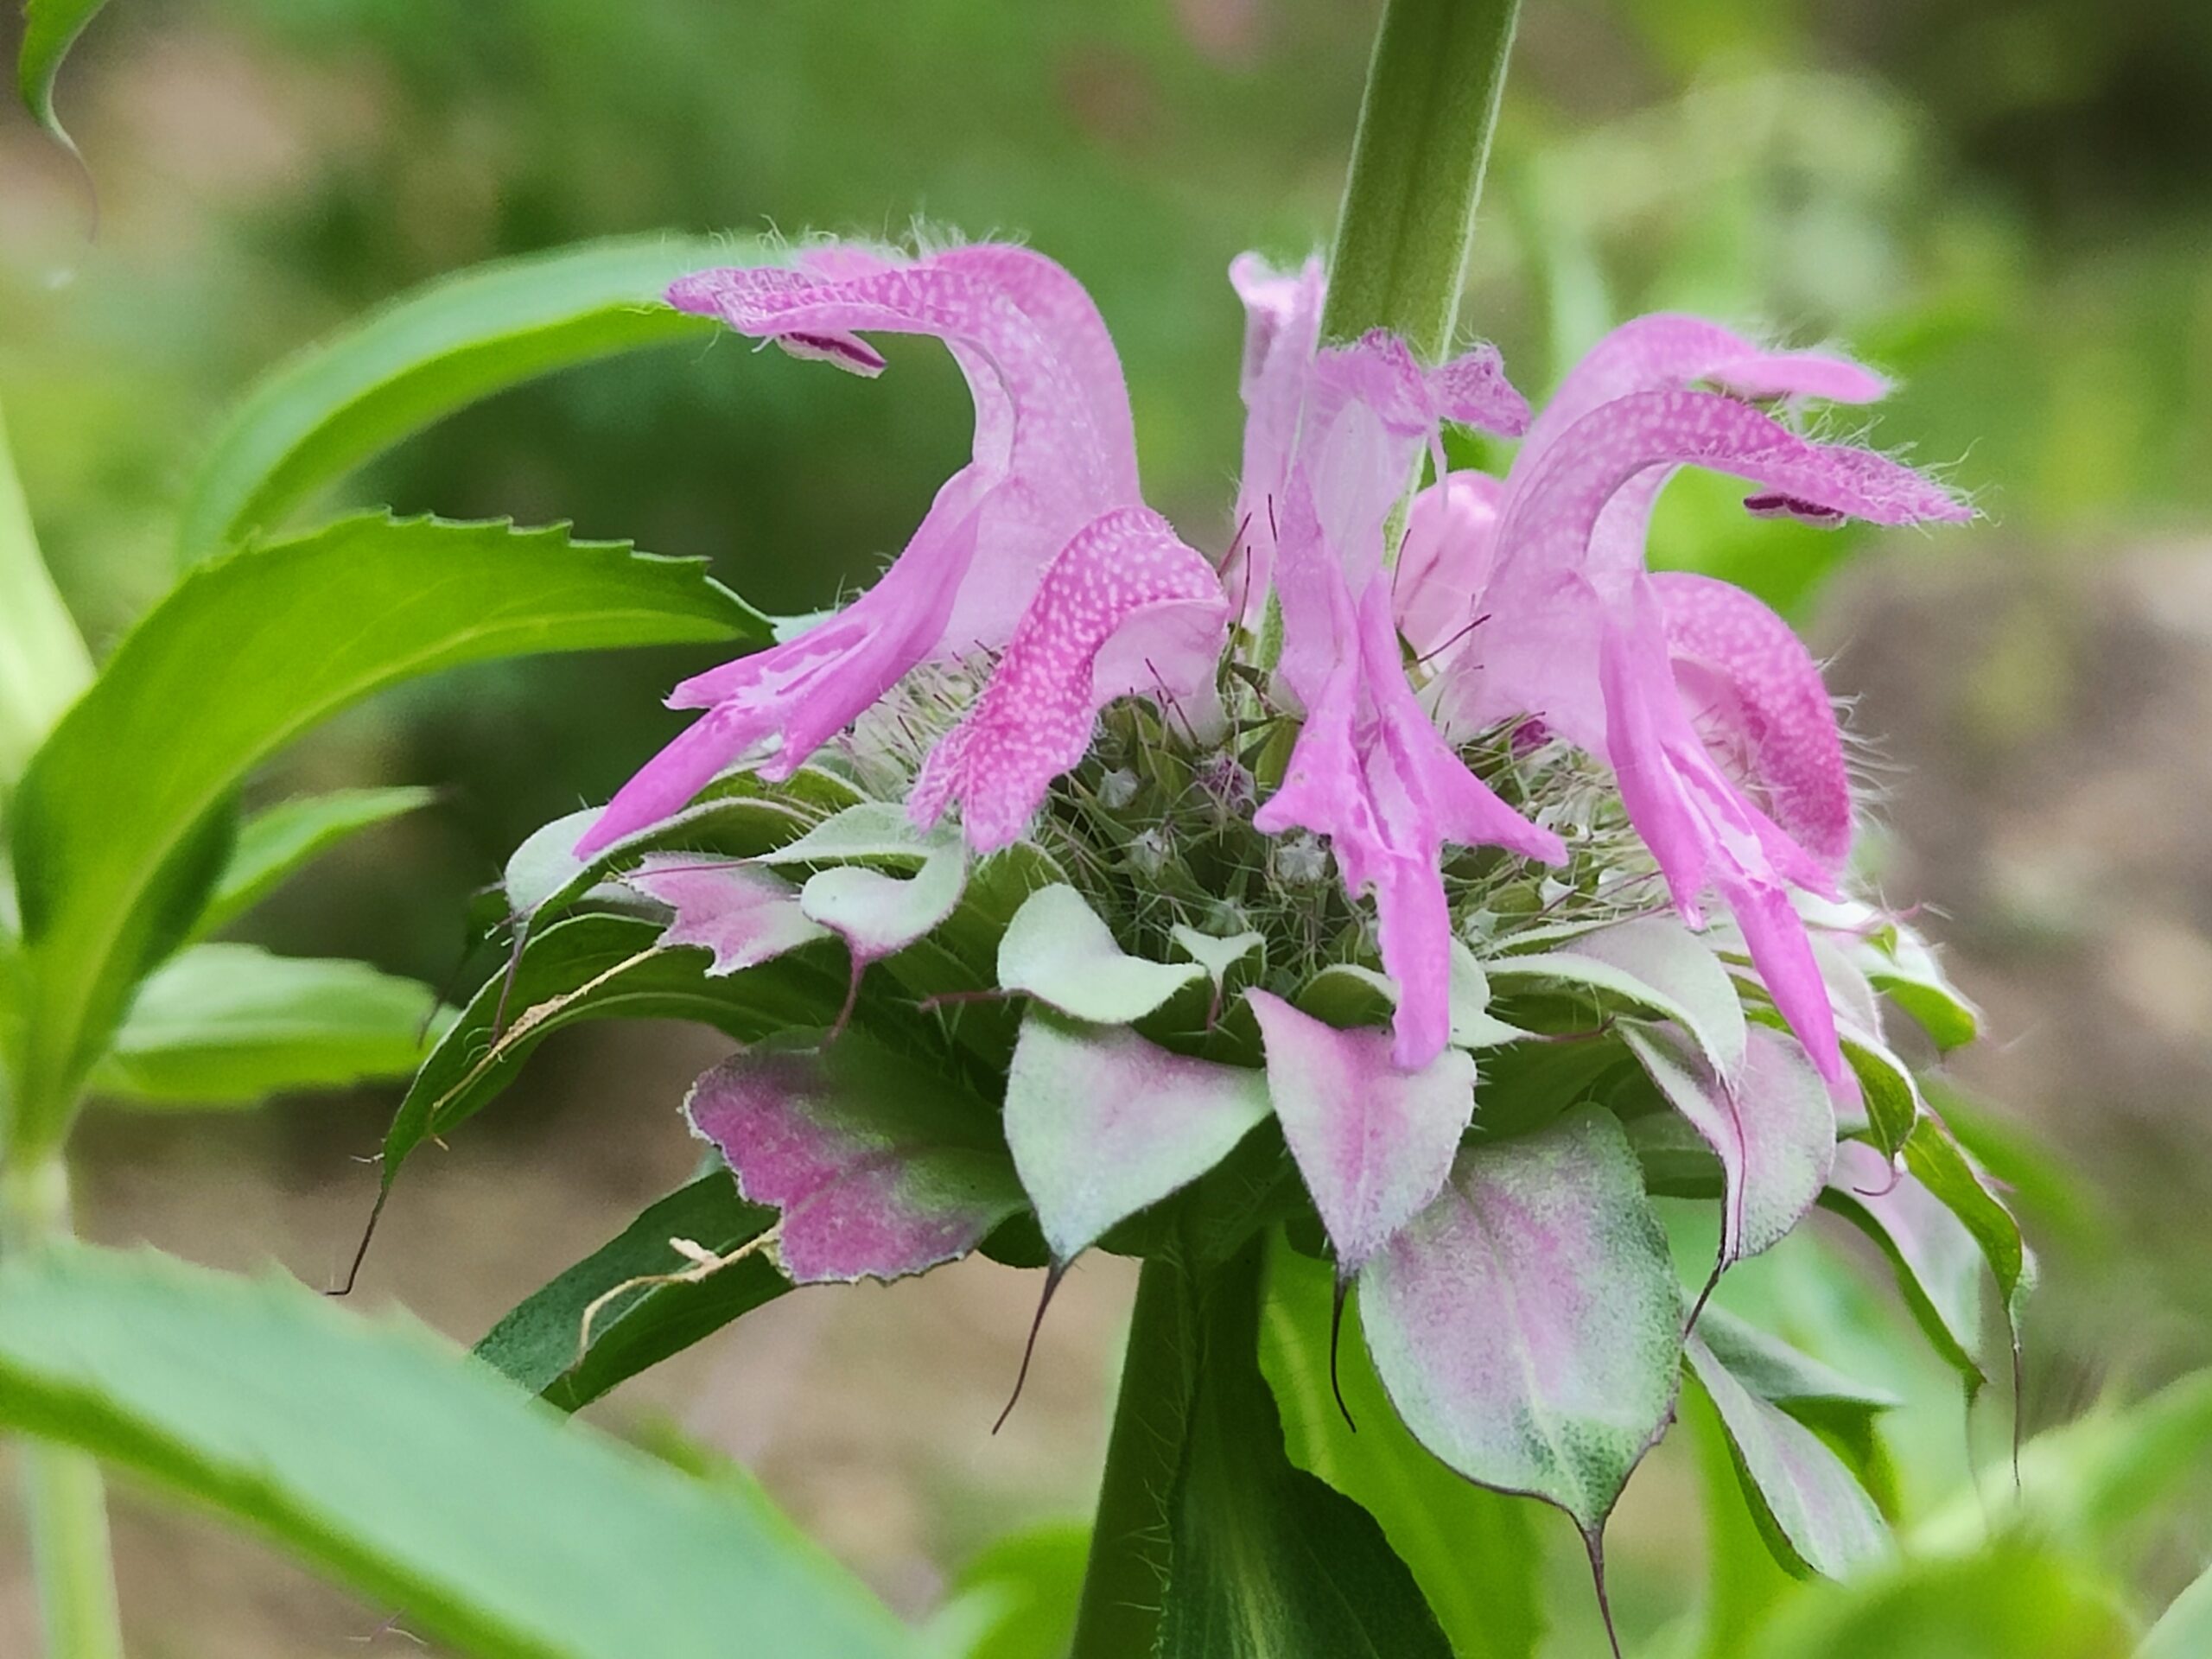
[
  {"x": 379, "y": 1453},
  {"x": 43, "y": 663},
  {"x": 231, "y": 1023},
  {"x": 538, "y": 1342},
  {"x": 1264, "y": 1560},
  {"x": 1473, "y": 1552},
  {"x": 119, "y": 828},
  {"x": 426, "y": 354},
  {"x": 596, "y": 967},
  {"x": 1814, "y": 1515},
  {"x": 1017, "y": 1599},
  {"x": 276, "y": 842},
  {"x": 50, "y": 28}
]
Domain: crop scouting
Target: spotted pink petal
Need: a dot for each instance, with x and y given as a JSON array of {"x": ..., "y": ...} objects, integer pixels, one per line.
[
  {"x": 1053, "y": 449},
  {"x": 744, "y": 915},
  {"x": 1756, "y": 696},
  {"x": 880, "y": 1169},
  {"x": 1035, "y": 719},
  {"x": 1667, "y": 349}
]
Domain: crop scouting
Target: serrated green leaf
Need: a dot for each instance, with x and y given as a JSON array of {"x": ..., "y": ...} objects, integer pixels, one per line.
[
  {"x": 1473, "y": 1552},
  {"x": 538, "y": 1344},
  {"x": 378, "y": 1453},
  {"x": 426, "y": 354},
  {"x": 234, "y": 1023},
  {"x": 120, "y": 829},
  {"x": 50, "y": 28},
  {"x": 43, "y": 663},
  {"x": 276, "y": 842}
]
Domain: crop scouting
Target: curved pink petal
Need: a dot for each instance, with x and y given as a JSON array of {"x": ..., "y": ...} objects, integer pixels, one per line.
[
  {"x": 1035, "y": 718},
  {"x": 1756, "y": 695},
  {"x": 1370, "y": 772},
  {"x": 1666, "y": 350}
]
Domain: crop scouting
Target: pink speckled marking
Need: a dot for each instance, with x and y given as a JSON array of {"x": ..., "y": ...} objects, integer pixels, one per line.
[{"x": 1035, "y": 719}]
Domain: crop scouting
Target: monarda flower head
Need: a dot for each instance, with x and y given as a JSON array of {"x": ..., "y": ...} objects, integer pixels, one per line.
[{"x": 1090, "y": 891}]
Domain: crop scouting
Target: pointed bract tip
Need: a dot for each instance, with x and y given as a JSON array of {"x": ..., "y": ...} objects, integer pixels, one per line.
[{"x": 1053, "y": 1274}]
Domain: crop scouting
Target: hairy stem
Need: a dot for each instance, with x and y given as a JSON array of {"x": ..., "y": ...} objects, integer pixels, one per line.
[
  {"x": 1409, "y": 213},
  {"x": 1119, "y": 1616},
  {"x": 72, "y": 1561}
]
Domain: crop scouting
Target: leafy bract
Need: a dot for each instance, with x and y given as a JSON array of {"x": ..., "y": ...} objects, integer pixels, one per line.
[
  {"x": 234, "y": 1023},
  {"x": 1771, "y": 1127},
  {"x": 381, "y": 1455},
  {"x": 1102, "y": 1122},
  {"x": 120, "y": 828},
  {"x": 1655, "y": 965},
  {"x": 1373, "y": 1143},
  {"x": 541, "y": 1343},
  {"x": 1815, "y": 1516},
  {"x": 1474, "y": 1554},
  {"x": 276, "y": 842},
  {"x": 423, "y": 356},
  {"x": 881, "y": 1166},
  {"x": 1058, "y": 951},
  {"x": 1528, "y": 1323}
]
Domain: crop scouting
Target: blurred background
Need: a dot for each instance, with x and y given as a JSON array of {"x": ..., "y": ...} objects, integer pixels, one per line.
[{"x": 2007, "y": 206}]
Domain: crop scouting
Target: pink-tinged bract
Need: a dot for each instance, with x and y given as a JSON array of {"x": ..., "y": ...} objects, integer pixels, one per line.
[
  {"x": 879, "y": 1168},
  {"x": 744, "y": 915},
  {"x": 1374, "y": 1142}
]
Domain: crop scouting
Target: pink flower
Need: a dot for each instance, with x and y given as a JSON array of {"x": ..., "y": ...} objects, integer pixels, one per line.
[
  {"x": 1330, "y": 448},
  {"x": 1531, "y": 598},
  {"x": 1040, "y": 547}
]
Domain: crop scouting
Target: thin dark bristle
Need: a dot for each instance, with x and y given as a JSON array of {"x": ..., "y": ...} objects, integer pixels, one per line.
[
  {"x": 1335, "y": 1336},
  {"x": 1052, "y": 1276},
  {"x": 1594, "y": 1543}
]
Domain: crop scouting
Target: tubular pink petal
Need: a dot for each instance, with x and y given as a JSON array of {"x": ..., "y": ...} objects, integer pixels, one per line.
[
  {"x": 1035, "y": 719},
  {"x": 1282, "y": 325},
  {"x": 1443, "y": 564}
]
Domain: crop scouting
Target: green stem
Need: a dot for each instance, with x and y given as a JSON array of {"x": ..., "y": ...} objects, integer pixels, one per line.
[
  {"x": 1119, "y": 1616},
  {"x": 1409, "y": 213},
  {"x": 72, "y": 1560}
]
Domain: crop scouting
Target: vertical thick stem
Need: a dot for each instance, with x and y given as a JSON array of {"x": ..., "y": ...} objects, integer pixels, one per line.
[
  {"x": 1119, "y": 1615},
  {"x": 1409, "y": 213},
  {"x": 72, "y": 1560}
]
